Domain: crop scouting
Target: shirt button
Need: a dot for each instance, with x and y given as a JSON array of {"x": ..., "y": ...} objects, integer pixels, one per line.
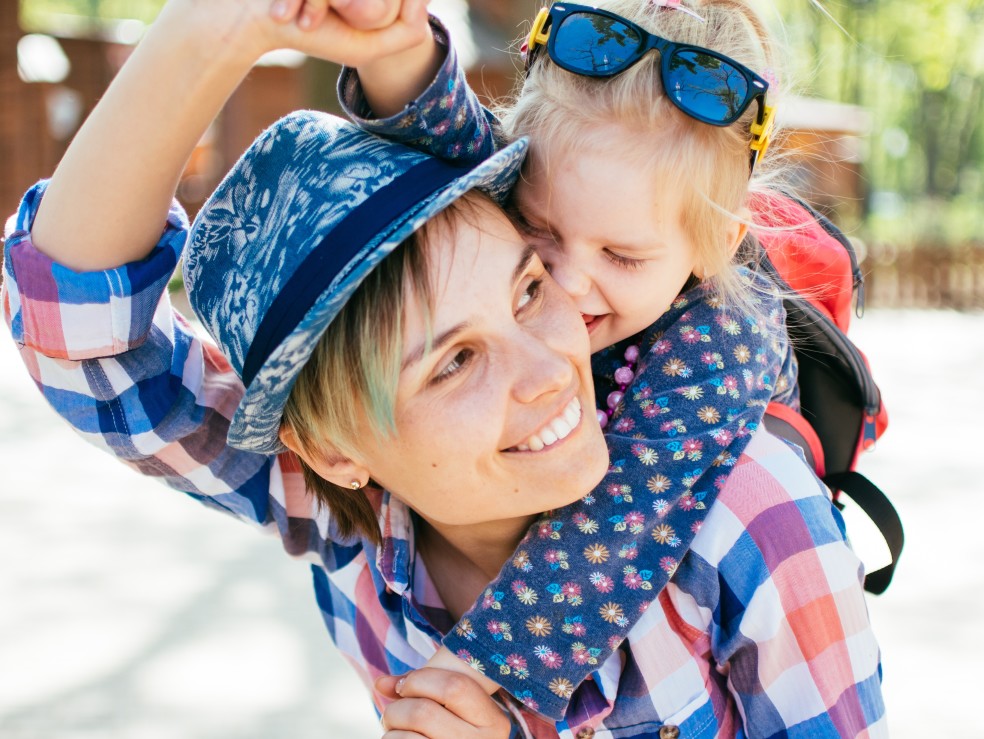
[
  {"x": 585, "y": 734},
  {"x": 669, "y": 732}
]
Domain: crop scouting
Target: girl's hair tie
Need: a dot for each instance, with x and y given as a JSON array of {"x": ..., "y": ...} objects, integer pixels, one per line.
[{"x": 677, "y": 5}]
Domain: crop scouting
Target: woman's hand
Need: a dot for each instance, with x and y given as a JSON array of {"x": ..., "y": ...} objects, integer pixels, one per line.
[
  {"x": 439, "y": 704},
  {"x": 364, "y": 15},
  {"x": 352, "y": 33},
  {"x": 397, "y": 58}
]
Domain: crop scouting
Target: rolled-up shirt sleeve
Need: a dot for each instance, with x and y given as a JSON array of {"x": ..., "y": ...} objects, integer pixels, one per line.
[
  {"x": 129, "y": 373},
  {"x": 64, "y": 314}
]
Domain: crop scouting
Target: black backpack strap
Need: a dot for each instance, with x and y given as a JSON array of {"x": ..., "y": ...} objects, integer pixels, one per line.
[
  {"x": 785, "y": 430},
  {"x": 880, "y": 510}
]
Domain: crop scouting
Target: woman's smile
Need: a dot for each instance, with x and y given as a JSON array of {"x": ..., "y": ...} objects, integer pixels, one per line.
[{"x": 555, "y": 430}]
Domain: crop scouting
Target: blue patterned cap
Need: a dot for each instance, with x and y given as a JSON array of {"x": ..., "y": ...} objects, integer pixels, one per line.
[{"x": 305, "y": 214}]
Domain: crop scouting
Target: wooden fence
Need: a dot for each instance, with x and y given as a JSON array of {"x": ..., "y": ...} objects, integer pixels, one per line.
[{"x": 925, "y": 277}]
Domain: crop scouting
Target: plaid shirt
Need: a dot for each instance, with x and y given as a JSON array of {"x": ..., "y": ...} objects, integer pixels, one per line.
[{"x": 753, "y": 636}]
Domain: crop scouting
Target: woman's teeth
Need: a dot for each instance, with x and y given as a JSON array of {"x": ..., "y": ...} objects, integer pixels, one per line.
[{"x": 557, "y": 429}]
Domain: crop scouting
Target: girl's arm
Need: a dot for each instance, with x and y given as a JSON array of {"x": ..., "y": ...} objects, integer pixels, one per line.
[{"x": 442, "y": 117}]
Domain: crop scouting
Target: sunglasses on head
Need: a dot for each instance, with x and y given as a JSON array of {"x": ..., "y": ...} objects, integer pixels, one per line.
[{"x": 709, "y": 87}]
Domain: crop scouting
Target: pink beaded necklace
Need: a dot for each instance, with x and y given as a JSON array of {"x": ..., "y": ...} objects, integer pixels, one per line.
[{"x": 623, "y": 378}]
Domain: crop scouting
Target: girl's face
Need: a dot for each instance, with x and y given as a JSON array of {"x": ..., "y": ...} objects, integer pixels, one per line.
[
  {"x": 609, "y": 237},
  {"x": 495, "y": 420}
]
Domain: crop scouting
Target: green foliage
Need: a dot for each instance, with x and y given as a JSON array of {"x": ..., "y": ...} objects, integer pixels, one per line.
[
  {"x": 35, "y": 13},
  {"x": 918, "y": 68}
]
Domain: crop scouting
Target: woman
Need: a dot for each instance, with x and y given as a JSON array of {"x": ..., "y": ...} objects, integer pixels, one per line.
[{"x": 453, "y": 351}]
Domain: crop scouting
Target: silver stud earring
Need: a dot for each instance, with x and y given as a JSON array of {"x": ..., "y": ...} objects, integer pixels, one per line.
[{"x": 355, "y": 484}]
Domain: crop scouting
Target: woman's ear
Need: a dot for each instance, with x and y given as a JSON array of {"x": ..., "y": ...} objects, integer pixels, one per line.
[{"x": 328, "y": 462}]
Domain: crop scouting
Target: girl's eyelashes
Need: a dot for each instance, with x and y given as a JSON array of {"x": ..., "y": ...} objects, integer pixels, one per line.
[{"x": 621, "y": 261}]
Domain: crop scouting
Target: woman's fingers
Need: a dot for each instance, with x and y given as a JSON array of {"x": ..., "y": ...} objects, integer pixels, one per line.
[
  {"x": 414, "y": 11},
  {"x": 459, "y": 694},
  {"x": 368, "y": 15},
  {"x": 336, "y": 41},
  {"x": 284, "y": 11},
  {"x": 425, "y": 717},
  {"x": 386, "y": 685},
  {"x": 313, "y": 13}
]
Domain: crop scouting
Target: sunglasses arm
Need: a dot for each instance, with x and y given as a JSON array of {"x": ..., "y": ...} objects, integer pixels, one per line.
[
  {"x": 538, "y": 36},
  {"x": 762, "y": 132}
]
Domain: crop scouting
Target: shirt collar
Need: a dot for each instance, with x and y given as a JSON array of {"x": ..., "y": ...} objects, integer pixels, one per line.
[{"x": 394, "y": 558}]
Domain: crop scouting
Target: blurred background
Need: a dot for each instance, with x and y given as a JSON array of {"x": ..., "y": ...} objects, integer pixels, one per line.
[{"x": 124, "y": 612}]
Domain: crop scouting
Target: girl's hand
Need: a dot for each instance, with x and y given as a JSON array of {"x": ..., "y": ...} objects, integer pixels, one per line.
[
  {"x": 363, "y": 15},
  {"x": 439, "y": 704}
]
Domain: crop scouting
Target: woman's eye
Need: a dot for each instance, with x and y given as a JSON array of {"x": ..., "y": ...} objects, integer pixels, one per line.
[
  {"x": 457, "y": 363},
  {"x": 531, "y": 293},
  {"x": 621, "y": 261}
]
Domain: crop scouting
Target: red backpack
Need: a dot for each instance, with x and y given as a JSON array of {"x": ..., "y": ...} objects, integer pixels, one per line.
[{"x": 841, "y": 410}]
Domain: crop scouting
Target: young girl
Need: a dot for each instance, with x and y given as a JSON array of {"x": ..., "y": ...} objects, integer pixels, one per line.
[{"x": 634, "y": 195}]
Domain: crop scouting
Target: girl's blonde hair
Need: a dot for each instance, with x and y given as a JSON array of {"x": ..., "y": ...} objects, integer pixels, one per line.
[
  {"x": 575, "y": 113},
  {"x": 348, "y": 386}
]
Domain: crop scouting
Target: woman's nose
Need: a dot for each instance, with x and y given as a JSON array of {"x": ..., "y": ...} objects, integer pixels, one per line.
[{"x": 541, "y": 369}]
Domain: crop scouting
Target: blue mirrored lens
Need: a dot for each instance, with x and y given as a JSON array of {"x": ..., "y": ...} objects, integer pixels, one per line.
[
  {"x": 594, "y": 44},
  {"x": 706, "y": 86}
]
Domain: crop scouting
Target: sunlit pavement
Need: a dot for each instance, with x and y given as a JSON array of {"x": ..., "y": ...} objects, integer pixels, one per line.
[{"x": 129, "y": 611}]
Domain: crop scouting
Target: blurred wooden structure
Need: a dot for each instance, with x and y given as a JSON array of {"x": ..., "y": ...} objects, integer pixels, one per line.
[
  {"x": 31, "y": 144},
  {"x": 18, "y": 160},
  {"x": 925, "y": 277}
]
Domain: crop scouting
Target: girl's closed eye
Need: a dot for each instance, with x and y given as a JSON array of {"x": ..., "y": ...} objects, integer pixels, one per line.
[{"x": 620, "y": 260}]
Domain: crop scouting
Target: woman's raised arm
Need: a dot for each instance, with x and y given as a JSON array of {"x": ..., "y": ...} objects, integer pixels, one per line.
[{"x": 109, "y": 197}]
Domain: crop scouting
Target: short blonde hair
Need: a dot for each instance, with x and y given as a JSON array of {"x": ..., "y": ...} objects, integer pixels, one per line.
[
  {"x": 573, "y": 112},
  {"x": 348, "y": 386}
]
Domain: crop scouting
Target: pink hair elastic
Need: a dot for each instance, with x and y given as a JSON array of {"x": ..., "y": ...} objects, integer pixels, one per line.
[{"x": 677, "y": 5}]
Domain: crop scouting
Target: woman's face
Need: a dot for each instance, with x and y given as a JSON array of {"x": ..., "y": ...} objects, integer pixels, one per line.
[{"x": 495, "y": 420}]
